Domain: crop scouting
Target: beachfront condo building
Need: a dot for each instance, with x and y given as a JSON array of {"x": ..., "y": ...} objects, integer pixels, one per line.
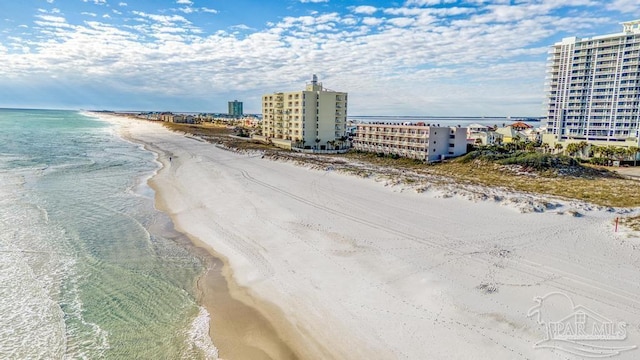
[
  {"x": 235, "y": 108},
  {"x": 417, "y": 141},
  {"x": 314, "y": 118},
  {"x": 593, "y": 89}
]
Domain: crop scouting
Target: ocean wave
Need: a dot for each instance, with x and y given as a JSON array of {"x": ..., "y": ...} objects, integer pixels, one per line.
[{"x": 198, "y": 338}]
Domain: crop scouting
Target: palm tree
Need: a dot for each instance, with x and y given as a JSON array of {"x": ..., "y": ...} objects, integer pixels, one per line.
[
  {"x": 558, "y": 147},
  {"x": 517, "y": 141},
  {"x": 619, "y": 152},
  {"x": 582, "y": 145},
  {"x": 606, "y": 152},
  {"x": 530, "y": 147},
  {"x": 633, "y": 152},
  {"x": 572, "y": 149}
]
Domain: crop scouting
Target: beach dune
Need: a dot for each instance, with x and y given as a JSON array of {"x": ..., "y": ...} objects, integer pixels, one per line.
[{"x": 347, "y": 268}]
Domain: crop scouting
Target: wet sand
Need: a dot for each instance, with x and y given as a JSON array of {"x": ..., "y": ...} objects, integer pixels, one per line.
[{"x": 241, "y": 325}]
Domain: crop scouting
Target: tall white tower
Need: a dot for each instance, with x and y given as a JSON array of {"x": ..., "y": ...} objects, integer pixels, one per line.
[{"x": 593, "y": 89}]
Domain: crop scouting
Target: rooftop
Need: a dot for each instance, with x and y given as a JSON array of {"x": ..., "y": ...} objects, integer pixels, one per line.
[{"x": 628, "y": 28}]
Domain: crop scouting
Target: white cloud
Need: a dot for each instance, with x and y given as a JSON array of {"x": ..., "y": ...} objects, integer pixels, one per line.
[
  {"x": 428, "y": 2},
  {"x": 625, "y": 6},
  {"x": 482, "y": 61},
  {"x": 184, "y": 2},
  {"x": 314, "y": 1},
  {"x": 189, "y": 9},
  {"x": 89, "y": 14},
  {"x": 97, "y": 2},
  {"x": 401, "y": 21},
  {"x": 242, "y": 27},
  {"x": 52, "y": 19},
  {"x": 365, "y": 9},
  {"x": 372, "y": 21},
  {"x": 122, "y": 4},
  {"x": 349, "y": 20},
  {"x": 163, "y": 19}
]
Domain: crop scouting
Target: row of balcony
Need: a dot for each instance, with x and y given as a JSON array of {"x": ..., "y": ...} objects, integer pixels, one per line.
[
  {"x": 371, "y": 146},
  {"x": 393, "y": 132},
  {"x": 617, "y": 119},
  {"x": 392, "y": 142},
  {"x": 594, "y": 128},
  {"x": 280, "y": 99},
  {"x": 280, "y": 126},
  {"x": 281, "y": 112},
  {"x": 281, "y": 131}
]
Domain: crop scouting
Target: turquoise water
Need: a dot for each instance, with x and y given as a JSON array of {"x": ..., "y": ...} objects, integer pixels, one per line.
[{"x": 88, "y": 268}]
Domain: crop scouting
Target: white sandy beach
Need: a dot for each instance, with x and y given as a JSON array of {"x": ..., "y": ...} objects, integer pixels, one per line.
[{"x": 364, "y": 271}]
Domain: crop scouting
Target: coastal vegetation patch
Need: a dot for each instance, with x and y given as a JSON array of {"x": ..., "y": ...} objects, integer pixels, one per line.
[
  {"x": 514, "y": 169},
  {"x": 632, "y": 222},
  {"x": 541, "y": 164},
  {"x": 229, "y": 137},
  {"x": 525, "y": 171},
  {"x": 549, "y": 174}
]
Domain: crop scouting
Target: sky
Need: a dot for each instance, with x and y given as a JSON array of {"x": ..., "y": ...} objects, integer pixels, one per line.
[{"x": 408, "y": 57}]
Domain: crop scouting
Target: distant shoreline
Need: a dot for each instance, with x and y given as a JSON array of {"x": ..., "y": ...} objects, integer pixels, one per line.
[{"x": 231, "y": 307}]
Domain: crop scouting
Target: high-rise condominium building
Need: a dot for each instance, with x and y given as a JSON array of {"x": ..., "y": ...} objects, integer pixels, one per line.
[
  {"x": 593, "y": 89},
  {"x": 312, "y": 118},
  {"x": 235, "y": 108}
]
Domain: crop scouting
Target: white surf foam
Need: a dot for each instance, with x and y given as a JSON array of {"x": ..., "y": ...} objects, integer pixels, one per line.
[{"x": 198, "y": 337}]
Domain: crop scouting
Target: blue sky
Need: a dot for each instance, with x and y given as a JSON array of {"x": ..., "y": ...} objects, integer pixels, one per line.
[{"x": 410, "y": 57}]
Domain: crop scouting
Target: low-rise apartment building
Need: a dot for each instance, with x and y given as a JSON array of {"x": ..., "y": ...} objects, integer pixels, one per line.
[{"x": 416, "y": 141}]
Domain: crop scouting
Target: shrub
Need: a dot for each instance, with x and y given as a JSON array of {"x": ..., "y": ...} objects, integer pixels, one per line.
[
  {"x": 539, "y": 161},
  {"x": 599, "y": 161},
  {"x": 532, "y": 160}
]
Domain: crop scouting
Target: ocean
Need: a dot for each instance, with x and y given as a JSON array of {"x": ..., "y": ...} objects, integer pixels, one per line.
[{"x": 88, "y": 267}]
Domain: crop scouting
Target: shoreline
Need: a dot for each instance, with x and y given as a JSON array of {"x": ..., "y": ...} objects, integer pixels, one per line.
[{"x": 230, "y": 306}]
